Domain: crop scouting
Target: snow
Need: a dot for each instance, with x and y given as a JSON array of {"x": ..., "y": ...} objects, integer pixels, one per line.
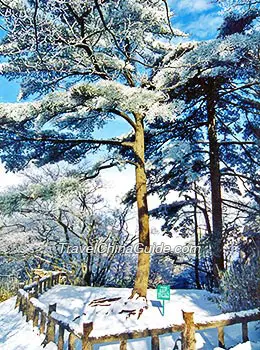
[
  {"x": 38, "y": 304},
  {"x": 15, "y": 333},
  {"x": 73, "y": 302},
  {"x": 245, "y": 346},
  {"x": 30, "y": 286},
  {"x": 23, "y": 293},
  {"x": 227, "y": 316},
  {"x": 65, "y": 321}
]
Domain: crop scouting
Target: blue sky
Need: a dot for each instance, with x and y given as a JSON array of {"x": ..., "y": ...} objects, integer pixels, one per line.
[{"x": 199, "y": 18}]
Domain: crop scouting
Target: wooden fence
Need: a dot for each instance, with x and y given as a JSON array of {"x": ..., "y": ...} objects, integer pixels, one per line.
[
  {"x": 188, "y": 330},
  {"x": 54, "y": 325}
]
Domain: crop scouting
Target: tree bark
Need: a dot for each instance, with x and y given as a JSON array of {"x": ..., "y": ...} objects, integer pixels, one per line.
[
  {"x": 143, "y": 266},
  {"x": 216, "y": 198},
  {"x": 197, "y": 276}
]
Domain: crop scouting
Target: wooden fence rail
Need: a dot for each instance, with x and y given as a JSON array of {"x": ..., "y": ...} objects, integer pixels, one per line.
[
  {"x": 56, "y": 326},
  {"x": 188, "y": 330}
]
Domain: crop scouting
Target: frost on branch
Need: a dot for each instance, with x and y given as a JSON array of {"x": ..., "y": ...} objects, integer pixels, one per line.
[
  {"x": 237, "y": 23},
  {"x": 219, "y": 57},
  {"x": 61, "y": 43},
  {"x": 81, "y": 62},
  {"x": 107, "y": 95},
  {"x": 82, "y": 99}
]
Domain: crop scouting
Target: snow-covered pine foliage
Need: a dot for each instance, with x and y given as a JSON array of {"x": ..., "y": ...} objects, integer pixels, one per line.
[
  {"x": 239, "y": 6},
  {"x": 56, "y": 213},
  {"x": 233, "y": 57},
  {"x": 240, "y": 286},
  {"x": 86, "y": 59},
  {"x": 237, "y": 23},
  {"x": 230, "y": 64}
]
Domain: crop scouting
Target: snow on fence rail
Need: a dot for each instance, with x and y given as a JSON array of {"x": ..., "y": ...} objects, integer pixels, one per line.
[
  {"x": 188, "y": 329},
  {"x": 48, "y": 321}
]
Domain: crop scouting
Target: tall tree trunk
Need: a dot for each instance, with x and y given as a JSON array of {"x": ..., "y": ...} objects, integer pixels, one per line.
[
  {"x": 143, "y": 266},
  {"x": 216, "y": 198},
  {"x": 197, "y": 276}
]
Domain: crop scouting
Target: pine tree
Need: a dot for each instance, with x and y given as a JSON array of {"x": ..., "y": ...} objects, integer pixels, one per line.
[
  {"x": 87, "y": 63},
  {"x": 216, "y": 86}
]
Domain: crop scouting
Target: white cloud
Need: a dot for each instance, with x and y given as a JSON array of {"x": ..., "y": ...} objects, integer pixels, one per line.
[
  {"x": 205, "y": 26},
  {"x": 8, "y": 179},
  {"x": 189, "y": 6},
  {"x": 117, "y": 184}
]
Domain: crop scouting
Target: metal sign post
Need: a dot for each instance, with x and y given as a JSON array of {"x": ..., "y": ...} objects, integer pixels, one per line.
[{"x": 163, "y": 293}]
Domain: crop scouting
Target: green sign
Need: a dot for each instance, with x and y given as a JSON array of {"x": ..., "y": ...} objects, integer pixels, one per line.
[{"x": 163, "y": 292}]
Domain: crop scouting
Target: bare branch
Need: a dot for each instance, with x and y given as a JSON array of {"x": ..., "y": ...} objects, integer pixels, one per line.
[
  {"x": 225, "y": 143},
  {"x": 75, "y": 141},
  {"x": 246, "y": 86}
]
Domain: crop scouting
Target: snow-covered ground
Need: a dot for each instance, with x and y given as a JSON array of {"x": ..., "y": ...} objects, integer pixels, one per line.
[
  {"x": 15, "y": 333},
  {"x": 72, "y": 302}
]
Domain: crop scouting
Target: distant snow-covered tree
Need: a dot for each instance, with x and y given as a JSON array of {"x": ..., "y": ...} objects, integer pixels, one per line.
[{"x": 60, "y": 221}]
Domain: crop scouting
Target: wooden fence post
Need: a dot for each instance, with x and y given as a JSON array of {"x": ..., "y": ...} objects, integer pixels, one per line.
[
  {"x": 50, "y": 281},
  {"x": 21, "y": 285},
  {"x": 36, "y": 317},
  {"x": 221, "y": 340},
  {"x": 20, "y": 304},
  {"x": 36, "y": 288},
  {"x": 42, "y": 323},
  {"x": 24, "y": 305},
  {"x": 54, "y": 280},
  {"x": 87, "y": 329},
  {"x": 188, "y": 335},
  {"x": 155, "y": 342},
  {"x": 61, "y": 338},
  {"x": 50, "y": 332},
  {"x": 40, "y": 290},
  {"x": 123, "y": 345},
  {"x": 44, "y": 286},
  {"x": 71, "y": 341},
  {"x": 18, "y": 301},
  {"x": 245, "y": 337},
  {"x": 30, "y": 311}
]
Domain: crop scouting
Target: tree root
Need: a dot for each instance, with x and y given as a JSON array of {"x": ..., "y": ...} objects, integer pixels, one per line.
[{"x": 103, "y": 301}]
